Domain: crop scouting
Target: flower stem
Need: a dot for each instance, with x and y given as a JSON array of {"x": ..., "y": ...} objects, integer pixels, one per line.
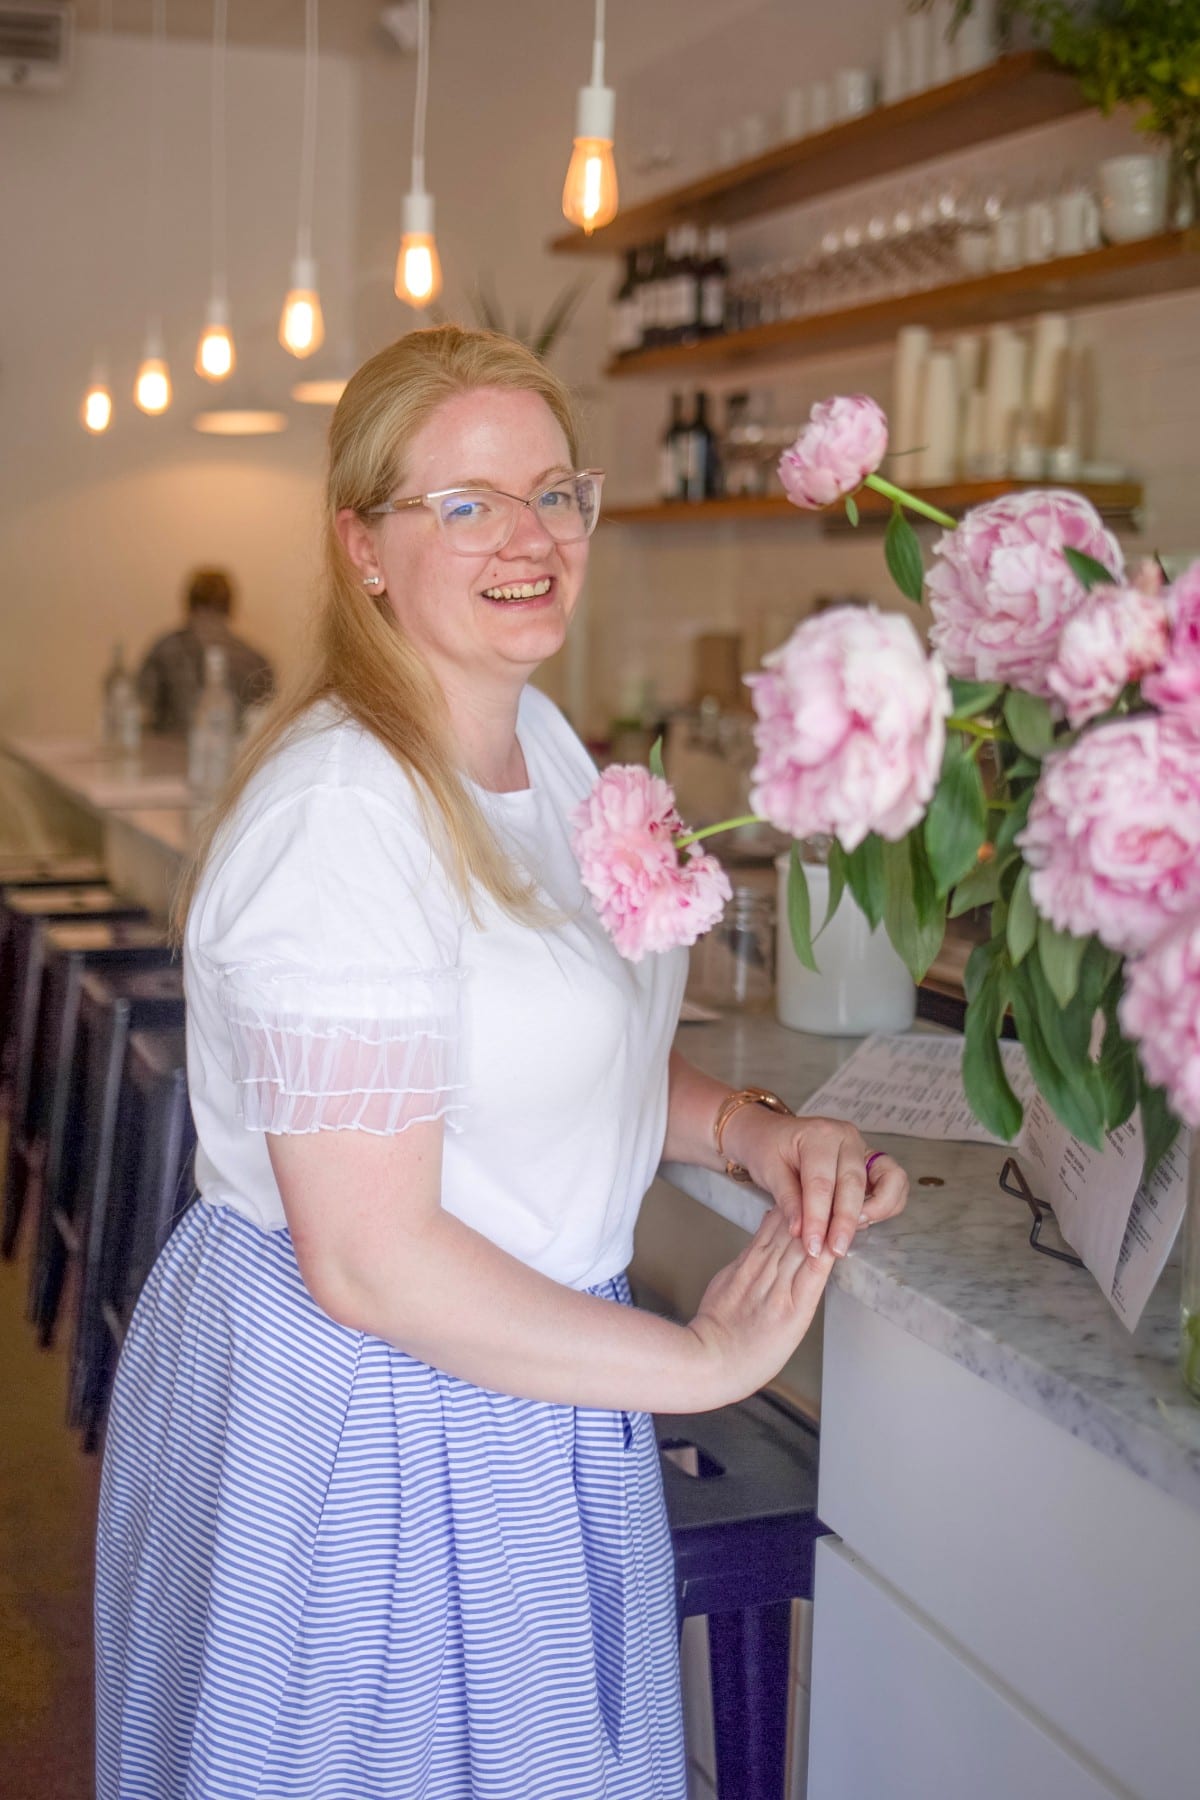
[
  {"x": 993, "y": 734},
  {"x": 891, "y": 492},
  {"x": 693, "y": 837}
]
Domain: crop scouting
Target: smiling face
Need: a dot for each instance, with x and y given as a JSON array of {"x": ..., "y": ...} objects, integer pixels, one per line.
[{"x": 480, "y": 622}]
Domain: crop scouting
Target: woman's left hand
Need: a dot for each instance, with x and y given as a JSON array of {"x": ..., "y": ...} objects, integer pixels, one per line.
[{"x": 815, "y": 1171}]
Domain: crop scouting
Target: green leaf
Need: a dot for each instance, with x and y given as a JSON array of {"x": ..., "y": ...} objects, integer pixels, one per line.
[
  {"x": 1118, "y": 1066},
  {"x": 1071, "y": 1087},
  {"x": 837, "y": 882},
  {"x": 1061, "y": 957},
  {"x": 956, "y": 823},
  {"x": 979, "y": 888},
  {"x": 864, "y": 875},
  {"x": 656, "y": 759},
  {"x": 1087, "y": 570},
  {"x": 914, "y": 915},
  {"x": 1030, "y": 721},
  {"x": 1011, "y": 824},
  {"x": 1022, "y": 920},
  {"x": 902, "y": 553},
  {"x": 988, "y": 1092},
  {"x": 971, "y": 698},
  {"x": 799, "y": 909},
  {"x": 1160, "y": 1127},
  {"x": 852, "y": 509}
]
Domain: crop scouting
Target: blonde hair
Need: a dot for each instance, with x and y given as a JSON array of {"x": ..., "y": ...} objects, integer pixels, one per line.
[{"x": 359, "y": 657}]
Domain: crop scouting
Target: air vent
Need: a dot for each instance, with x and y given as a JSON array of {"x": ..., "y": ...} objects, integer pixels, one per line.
[{"x": 35, "y": 46}]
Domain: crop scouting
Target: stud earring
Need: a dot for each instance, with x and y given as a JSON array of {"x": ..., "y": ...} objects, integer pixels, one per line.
[{"x": 372, "y": 580}]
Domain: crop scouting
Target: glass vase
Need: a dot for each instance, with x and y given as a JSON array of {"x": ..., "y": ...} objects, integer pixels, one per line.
[{"x": 1189, "y": 1300}]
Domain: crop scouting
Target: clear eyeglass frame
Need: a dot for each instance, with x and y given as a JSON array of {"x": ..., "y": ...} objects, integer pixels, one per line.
[{"x": 508, "y": 516}]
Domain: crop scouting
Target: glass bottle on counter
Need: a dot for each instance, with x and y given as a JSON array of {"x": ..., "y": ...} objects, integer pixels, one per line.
[
  {"x": 122, "y": 713},
  {"x": 212, "y": 736}
]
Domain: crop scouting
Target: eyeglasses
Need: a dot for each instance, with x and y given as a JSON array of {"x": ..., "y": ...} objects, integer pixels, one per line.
[{"x": 476, "y": 521}]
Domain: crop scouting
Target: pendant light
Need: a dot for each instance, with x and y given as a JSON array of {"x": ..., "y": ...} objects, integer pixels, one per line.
[
  {"x": 215, "y": 354},
  {"x": 301, "y": 325},
  {"x": 590, "y": 190},
  {"x": 96, "y": 407},
  {"x": 95, "y": 413},
  {"x": 418, "y": 271},
  {"x": 152, "y": 386}
]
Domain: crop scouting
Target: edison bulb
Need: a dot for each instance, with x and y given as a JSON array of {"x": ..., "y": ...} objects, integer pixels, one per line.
[
  {"x": 215, "y": 354},
  {"x": 301, "y": 325},
  {"x": 152, "y": 389},
  {"x": 590, "y": 190},
  {"x": 96, "y": 412},
  {"x": 418, "y": 270}
]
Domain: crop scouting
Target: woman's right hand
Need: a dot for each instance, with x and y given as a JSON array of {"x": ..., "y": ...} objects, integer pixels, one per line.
[{"x": 755, "y": 1311}]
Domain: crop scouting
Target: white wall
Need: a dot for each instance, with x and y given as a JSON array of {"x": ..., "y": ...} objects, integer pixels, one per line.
[{"x": 97, "y": 534}]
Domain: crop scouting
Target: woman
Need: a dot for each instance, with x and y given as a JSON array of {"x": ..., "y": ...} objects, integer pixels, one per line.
[{"x": 381, "y": 1513}]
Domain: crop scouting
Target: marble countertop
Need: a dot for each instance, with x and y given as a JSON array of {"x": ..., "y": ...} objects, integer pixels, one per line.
[
  {"x": 147, "y": 792},
  {"x": 957, "y": 1271}
]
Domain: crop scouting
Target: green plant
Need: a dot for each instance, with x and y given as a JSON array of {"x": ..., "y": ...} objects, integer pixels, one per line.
[
  {"x": 540, "y": 338},
  {"x": 1144, "y": 54}
]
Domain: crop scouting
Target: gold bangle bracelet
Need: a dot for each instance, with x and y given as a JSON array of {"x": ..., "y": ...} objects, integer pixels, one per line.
[{"x": 751, "y": 1096}]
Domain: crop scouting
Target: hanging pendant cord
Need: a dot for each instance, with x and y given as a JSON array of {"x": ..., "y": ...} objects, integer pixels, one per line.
[
  {"x": 308, "y": 143},
  {"x": 154, "y": 157},
  {"x": 418, "y": 154},
  {"x": 219, "y": 224},
  {"x": 598, "y": 47}
]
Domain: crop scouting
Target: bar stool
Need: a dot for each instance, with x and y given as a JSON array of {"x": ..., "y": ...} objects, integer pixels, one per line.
[
  {"x": 50, "y": 1153},
  {"x": 21, "y": 870},
  {"x": 741, "y": 1493},
  {"x": 150, "y": 1190},
  {"x": 28, "y": 912},
  {"x": 112, "y": 1004},
  {"x": 38, "y": 872}
]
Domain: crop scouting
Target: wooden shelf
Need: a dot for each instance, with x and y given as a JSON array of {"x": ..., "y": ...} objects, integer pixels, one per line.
[
  {"x": 1116, "y": 273},
  {"x": 1012, "y": 94},
  {"x": 1112, "y": 499}
]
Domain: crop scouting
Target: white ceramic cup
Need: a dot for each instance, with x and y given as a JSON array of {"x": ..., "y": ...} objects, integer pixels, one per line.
[
  {"x": 1039, "y": 231},
  {"x": 1076, "y": 222},
  {"x": 853, "y": 93},
  {"x": 819, "y": 106},
  {"x": 794, "y": 113},
  {"x": 752, "y": 135},
  {"x": 1133, "y": 197},
  {"x": 1008, "y": 241},
  {"x": 862, "y": 986}
]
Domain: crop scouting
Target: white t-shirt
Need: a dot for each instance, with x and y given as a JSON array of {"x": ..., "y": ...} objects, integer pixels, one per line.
[{"x": 335, "y": 980}]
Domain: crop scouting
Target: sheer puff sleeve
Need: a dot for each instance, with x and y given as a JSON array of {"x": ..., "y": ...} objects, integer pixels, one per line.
[{"x": 332, "y": 938}]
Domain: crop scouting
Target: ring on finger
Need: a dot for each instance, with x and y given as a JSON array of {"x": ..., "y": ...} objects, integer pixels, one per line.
[{"x": 873, "y": 1158}]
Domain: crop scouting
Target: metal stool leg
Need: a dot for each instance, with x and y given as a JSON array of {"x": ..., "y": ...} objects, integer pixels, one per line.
[{"x": 749, "y": 1661}]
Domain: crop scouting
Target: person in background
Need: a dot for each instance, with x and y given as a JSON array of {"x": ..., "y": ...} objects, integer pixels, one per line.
[{"x": 172, "y": 673}]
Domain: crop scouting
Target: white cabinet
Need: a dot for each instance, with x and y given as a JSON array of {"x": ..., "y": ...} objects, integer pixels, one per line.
[
  {"x": 1032, "y": 1579},
  {"x": 898, "y": 1713}
]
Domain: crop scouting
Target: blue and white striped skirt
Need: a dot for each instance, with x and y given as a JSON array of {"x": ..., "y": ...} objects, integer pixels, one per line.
[{"x": 327, "y": 1571}]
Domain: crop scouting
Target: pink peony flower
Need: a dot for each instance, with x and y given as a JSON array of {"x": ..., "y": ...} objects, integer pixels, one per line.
[
  {"x": 624, "y": 839},
  {"x": 1001, "y": 589},
  {"x": 1176, "y": 686},
  {"x": 846, "y": 439},
  {"x": 1118, "y": 635},
  {"x": 1113, "y": 837},
  {"x": 851, "y": 727},
  {"x": 1160, "y": 1010}
]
